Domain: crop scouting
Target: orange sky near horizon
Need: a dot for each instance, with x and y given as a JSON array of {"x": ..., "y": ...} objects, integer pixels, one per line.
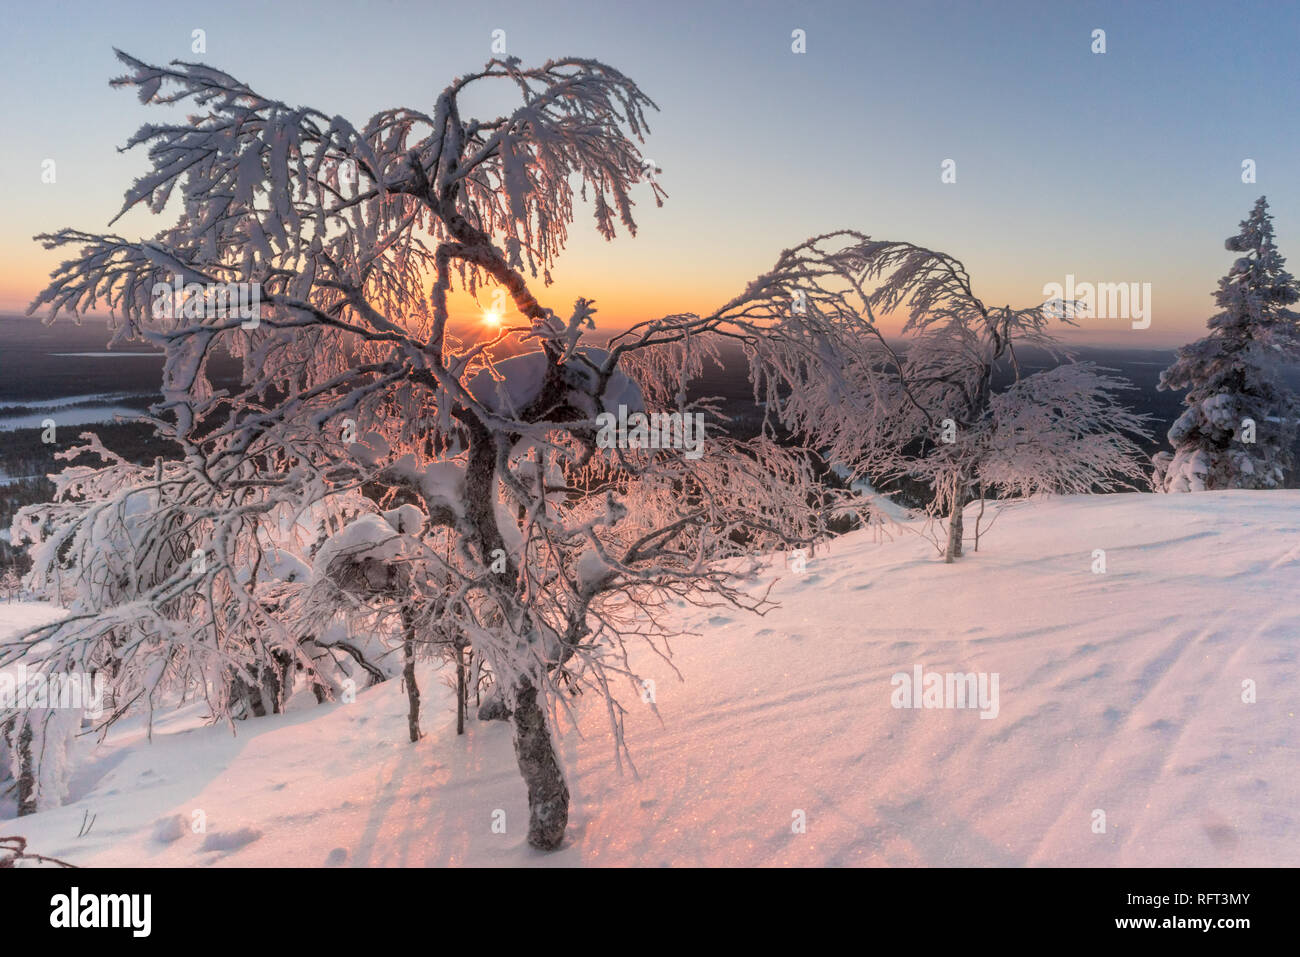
[
  {"x": 1119, "y": 168},
  {"x": 633, "y": 281}
]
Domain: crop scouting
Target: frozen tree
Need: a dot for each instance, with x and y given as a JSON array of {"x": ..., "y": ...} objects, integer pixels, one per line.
[
  {"x": 36, "y": 747},
  {"x": 1240, "y": 422},
  {"x": 930, "y": 406},
  {"x": 376, "y": 568},
  {"x": 10, "y": 584},
  {"x": 541, "y": 547}
]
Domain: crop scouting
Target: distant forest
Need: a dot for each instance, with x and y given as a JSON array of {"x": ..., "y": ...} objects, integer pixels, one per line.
[{"x": 39, "y": 364}]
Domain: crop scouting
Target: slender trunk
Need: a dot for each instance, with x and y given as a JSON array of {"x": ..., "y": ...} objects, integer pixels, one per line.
[
  {"x": 477, "y": 678},
  {"x": 979, "y": 518},
  {"x": 26, "y": 769},
  {"x": 462, "y": 692},
  {"x": 313, "y": 677},
  {"x": 286, "y": 675},
  {"x": 548, "y": 796},
  {"x": 408, "y": 676},
  {"x": 954, "y": 531}
]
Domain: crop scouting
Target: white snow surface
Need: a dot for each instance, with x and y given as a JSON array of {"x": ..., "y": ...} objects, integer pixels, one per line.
[{"x": 1119, "y": 691}]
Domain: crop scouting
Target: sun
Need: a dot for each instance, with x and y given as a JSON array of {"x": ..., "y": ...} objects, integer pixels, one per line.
[{"x": 491, "y": 317}]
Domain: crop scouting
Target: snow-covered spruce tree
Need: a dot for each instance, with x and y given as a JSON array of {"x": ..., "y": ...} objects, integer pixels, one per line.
[
  {"x": 928, "y": 406},
  {"x": 547, "y": 552},
  {"x": 1240, "y": 421}
]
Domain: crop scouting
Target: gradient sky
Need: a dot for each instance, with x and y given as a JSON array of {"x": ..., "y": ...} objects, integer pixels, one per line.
[{"x": 1115, "y": 167}]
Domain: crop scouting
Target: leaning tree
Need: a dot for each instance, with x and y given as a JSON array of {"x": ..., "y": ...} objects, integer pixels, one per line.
[
  {"x": 543, "y": 549},
  {"x": 947, "y": 402}
]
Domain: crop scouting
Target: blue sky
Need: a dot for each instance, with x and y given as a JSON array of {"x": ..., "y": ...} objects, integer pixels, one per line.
[{"x": 1117, "y": 167}]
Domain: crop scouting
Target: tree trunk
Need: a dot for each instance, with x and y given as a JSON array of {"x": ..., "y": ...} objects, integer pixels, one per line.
[
  {"x": 269, "y": 690},
  {"x": 954, "y": 531},
  {"x": 26, "y": 769},
  {"x": 475, "y": 676},
  {"x": 461, "y": 691},
  {"x": 241, "y": 693},
  {"x": 6, "y": 743},
  {"x": 408, "y": 676},
  {"x": 548, "y": 797},
  {"x": 275, "y": 684},
  {"x": 264, "y": 689}
]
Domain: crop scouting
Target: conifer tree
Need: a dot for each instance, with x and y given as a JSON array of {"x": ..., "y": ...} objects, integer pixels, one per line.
[{"x": 1240, "y": 421}]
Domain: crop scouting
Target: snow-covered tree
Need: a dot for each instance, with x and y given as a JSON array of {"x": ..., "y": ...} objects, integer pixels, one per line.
[
  {"x": 35, "y": 753},
  {"x": 375, "y": 568},
  {"x": 930, "y": 406},
  {"x": 1240, "y": 420},
  {"x": 539, "y": 546},
  {"x": 10, "y": 584}
]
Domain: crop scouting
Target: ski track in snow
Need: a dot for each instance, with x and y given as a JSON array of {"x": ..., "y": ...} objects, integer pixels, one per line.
[{"x": 1119, "y": 692}]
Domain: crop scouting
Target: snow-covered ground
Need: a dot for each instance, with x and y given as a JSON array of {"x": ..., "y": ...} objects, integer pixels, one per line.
[{"x": 1119, "y": 691}]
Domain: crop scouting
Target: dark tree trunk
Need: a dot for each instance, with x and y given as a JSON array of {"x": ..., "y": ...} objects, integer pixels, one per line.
[
  {"x": 275, "y": 684},
  {"x": 6, "y": 741},
  {"x": 286, "y": 675},
  {"x": 548, "y": 797},
  {"x": 476, "y": 672},
  {"x": 408, "y": 676},
  {"x": 462, "y": 693},
  {"x": 26, "y": 769},
  {"x": 266, "y": 689},
  {"x": 241, "y": 693}
]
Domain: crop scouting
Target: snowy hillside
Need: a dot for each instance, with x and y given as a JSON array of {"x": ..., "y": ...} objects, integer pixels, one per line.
[{"x": 1119, "y": 691}]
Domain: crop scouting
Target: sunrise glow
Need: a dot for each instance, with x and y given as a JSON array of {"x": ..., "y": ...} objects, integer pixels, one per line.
[{"x": 758, "y": 436}]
